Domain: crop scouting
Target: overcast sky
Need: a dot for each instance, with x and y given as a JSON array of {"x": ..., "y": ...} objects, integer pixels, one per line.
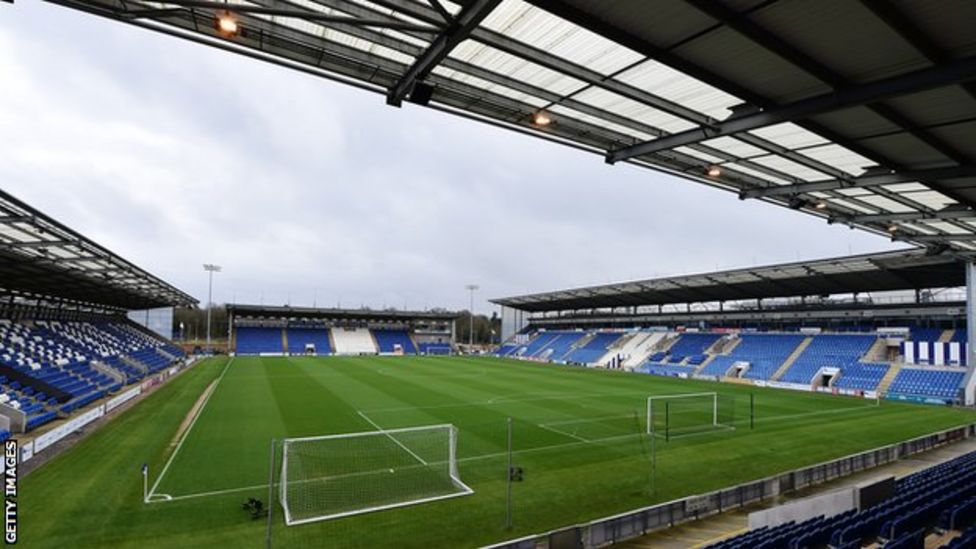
[{"x": 173, "y": 154}]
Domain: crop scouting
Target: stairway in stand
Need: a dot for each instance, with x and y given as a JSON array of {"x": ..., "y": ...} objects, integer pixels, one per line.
[
  {"x": 889, "y": 376},
  {"x": 791, "y": 359}
]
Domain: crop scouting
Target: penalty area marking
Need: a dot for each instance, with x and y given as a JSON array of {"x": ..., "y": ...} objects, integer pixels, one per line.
[{"x": 152, "y": 496}]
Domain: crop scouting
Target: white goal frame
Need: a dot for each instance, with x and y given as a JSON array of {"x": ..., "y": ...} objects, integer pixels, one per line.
[
  {"x": 651, "y": 399},
  {"x": 462, "y": 488}
]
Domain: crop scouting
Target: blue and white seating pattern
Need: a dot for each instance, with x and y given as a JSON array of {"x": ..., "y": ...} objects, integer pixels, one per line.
[
  {"x": 594, "y": 349},
  {"x": 63, "y": 355}
]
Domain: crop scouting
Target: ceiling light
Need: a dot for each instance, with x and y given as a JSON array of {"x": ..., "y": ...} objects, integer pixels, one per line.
[
  {"x": 820, "y": 205},
  {"x": 714, "y": 171},
  {"x": 227, "y": 25},
  {"x": 541, "y": 118}
]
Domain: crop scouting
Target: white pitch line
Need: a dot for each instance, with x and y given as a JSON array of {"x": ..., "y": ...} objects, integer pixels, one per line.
[
  {"x": 391, "y": 437},
  {"x": 564, "y": 433},
  {"x": 186, "y": 434}
]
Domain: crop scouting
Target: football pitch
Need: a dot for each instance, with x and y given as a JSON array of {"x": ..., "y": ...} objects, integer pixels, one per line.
[{"x": 578, "y": 435}]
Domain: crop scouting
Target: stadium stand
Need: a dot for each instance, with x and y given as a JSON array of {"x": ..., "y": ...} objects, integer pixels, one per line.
[
  {"x": 861, "y": 376},
  {"x": 763, "y": 352},
  {"x": 691, "y": 345},
  {"x": 639, "y": 348},
  {"x": 255, "y": 340},
  {"x": 299, "y": 338},
  {"x": 928, "y": 382},
  {"x": 84, "y": 361},
  {"x": 833, "y": 351},
  {"x": 388, "y": 340},
  {"x": 943, "y": 497},
  {"x": 353, "y": 341},
  {"x": 594, "y": 349},
  {"x": 558, "y": 347}
]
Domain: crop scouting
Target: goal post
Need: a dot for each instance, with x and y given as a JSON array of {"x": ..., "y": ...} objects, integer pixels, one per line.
[
  {"x": 689, "y": 413},
  {"x": 333, "y": 476}
]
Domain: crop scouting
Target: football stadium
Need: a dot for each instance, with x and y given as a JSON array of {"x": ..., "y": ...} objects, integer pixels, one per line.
[{"x": 822, "y": 402}]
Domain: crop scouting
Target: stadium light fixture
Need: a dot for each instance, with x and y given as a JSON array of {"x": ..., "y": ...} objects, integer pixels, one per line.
[
  {"x": 892, "y": 228},
  {"x": 211, "y": 269},
  {"x": 714, "y": 171},
  {"x": 227, "y": 25},
  {"x": 820, "y": 205},
  {"x": 471, "y": 288},
  {"x": 541, "y": 118}
]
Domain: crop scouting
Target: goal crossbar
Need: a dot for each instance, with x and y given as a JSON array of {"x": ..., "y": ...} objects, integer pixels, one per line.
[{"x": 713, "y": 396}]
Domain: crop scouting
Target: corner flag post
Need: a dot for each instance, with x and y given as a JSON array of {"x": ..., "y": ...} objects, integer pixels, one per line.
[{"x": 145, "y": 483}]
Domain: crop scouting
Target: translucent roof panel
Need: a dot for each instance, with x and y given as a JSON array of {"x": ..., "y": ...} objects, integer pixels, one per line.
[
  {"x": 680, "y": 88},
  {"x": 839, "y": 157},
  {"x": 887, "y": 204},
  {"x": 735, "y": 147},
  {"x": 629, "y": 108},
  {"x": 757, "y": 174},
  {"x": 790, "y": 135},
  {"x": 517, "y": 68},
  {"x": 790, "y": 167},
  {"x": 636, "y": 135},
  {"x": 932, "y": 199},
  {"x": 490, "y": 87},
  {"x": 540, "y": 29}
]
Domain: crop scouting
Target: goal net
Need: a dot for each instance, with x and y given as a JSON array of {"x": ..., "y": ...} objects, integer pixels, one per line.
[
  {"x": 683, "y": 414},
  {"x": 333, "y": 476}
]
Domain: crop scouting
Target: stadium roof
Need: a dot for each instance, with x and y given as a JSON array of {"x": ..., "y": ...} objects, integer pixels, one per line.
[
  {"x": 270, "y": 311},
  {"x": 41, "y": 257},
  {"x": 861, "y": 113},
  {"x": 903, "y": 270}
]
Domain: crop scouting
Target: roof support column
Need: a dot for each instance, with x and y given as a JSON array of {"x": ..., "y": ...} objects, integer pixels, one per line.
[{"x": 969, "y": 383}]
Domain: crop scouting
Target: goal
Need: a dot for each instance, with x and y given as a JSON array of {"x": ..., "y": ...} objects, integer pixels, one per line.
[
  {"x": 328, "y": 477},
  {"x": 689, "y": 413}
]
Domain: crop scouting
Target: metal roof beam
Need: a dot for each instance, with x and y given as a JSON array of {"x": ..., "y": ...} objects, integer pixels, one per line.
[
  {"x": 963, "y": 70},
  {"x": 949, "y": 213},
  {"x": 950, "y": 172},
  {"x": 456, "y": 32},
  {"x": 934, "y": 237}
]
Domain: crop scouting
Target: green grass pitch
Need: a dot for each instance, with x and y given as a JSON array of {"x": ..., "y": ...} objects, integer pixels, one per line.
[{"x": 577, "y": 436}]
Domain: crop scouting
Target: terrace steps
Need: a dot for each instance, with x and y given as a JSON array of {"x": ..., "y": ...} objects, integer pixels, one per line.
[
  {"x": 109, "y": 371},
  {"x": 946, "y": 336},
  {"x": 332, "y": 343},
  {"x": 701, "y": 366},
  {"x": 719, "y": 346},
  {"x": 889, "y": 377},
  {"x": 878, "y": 352},
  {"x": 135, "y": 364},
  {"x": 666, "y": 343},
  {"x": 725, "y": 348},
  {"x": 641, "y": 349},
  {"x": 791, "y": 359},
  {"x": 284, "y": 341}
]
